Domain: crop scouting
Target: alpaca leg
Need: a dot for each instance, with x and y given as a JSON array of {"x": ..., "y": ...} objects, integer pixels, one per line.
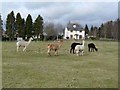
[
  {"x": 73, "y": 51},
  {"x": 48, "y": 52},
  {"x": 24, "y": 49},
  {"x": 77, "y": 53},
  {"x": 70, "y": 50},
  {"x": 89, "y": 49},
  {"x": 56, "y": 52},
  {"x": 82, "y": 53},
  {"x": 17, "y": 49}
]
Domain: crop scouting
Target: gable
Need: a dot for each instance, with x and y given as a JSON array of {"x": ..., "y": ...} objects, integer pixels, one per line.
[{"x": 74, "y": 27}]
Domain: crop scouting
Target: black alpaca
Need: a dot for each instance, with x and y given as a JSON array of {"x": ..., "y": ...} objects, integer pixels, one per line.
[
  {"x": 73, "y": 47},
  {"x": 91, "y": 47}
]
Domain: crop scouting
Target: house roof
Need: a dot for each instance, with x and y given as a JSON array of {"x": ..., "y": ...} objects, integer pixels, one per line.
[{"x": 74, "y": 26}]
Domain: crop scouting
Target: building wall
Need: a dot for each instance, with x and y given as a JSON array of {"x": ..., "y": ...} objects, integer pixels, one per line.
[{"x": 74, "y": 34}]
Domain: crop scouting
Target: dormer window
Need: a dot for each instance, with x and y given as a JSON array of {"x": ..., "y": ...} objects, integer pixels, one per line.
[{"x": 74, "y": 26}]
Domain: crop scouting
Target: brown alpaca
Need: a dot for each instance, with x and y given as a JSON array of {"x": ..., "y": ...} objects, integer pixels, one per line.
[{"x": 55, "y": 47}]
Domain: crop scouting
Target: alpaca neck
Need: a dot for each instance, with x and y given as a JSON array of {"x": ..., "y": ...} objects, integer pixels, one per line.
[
  {"x": 29, "y": 41},
  {"x": 60, "y": 44},
  {"x": 83, "y": 43}
]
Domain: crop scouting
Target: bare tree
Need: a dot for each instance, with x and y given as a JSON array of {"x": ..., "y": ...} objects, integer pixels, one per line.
[{"x": 50, "y": 29}]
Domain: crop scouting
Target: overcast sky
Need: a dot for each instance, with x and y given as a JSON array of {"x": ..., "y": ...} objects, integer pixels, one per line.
[{"x": 91, "y": 13}]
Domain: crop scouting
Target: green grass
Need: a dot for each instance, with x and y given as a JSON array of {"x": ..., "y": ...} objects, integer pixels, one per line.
[{"x": 34, "y": 69}]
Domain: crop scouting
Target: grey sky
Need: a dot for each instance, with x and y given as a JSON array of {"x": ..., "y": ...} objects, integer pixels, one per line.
[{"x": 91, "y": 13}]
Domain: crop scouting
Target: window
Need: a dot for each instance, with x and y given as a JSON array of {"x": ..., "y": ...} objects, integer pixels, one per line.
[
  {"x": 71, "y": 36},
  {"x": 80, "y": 36}
]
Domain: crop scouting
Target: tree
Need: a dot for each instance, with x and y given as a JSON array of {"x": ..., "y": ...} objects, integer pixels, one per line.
[
  {"x": 59, "y": 28},
  {"x": 50, "y": 31},
  {"x": 1, "y": 23},
  {"x": 1, "y": 29},
  {"x": 28, "y": 26},
  {"x": 99, "y": 32},
  {"x": 115, "y": 31},
  {"x": 86, "y": 30},
  {"x": 38, "y": 26},
  {"x": 23, "y": 29},
  {"x": 18, "y": 25},
  {"x": 102, "y": 34},
  {"x": 59, "y": 31},
  {"x": 10, "y": 26},
  {"x": 109, "y": 26},
  {"x": 91, "y": 30}
]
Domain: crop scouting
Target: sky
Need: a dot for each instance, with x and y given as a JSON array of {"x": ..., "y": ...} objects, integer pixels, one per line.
[{"x": 92, "y": 12}]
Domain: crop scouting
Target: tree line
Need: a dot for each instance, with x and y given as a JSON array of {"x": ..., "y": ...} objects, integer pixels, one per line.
[
  {"x": 108, "y": 30},
  {"x": 19, "y": 27},
  {"x": 16, "y": 26}
]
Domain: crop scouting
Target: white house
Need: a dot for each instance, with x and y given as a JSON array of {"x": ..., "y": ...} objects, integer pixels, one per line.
[{"x": 74, "y": 31}]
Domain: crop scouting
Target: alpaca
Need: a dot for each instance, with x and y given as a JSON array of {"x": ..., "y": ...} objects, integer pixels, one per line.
[
  {"x": 23, "y": 44},
  {"x": 73, "y": 47},
  {"x": 79, "y": 49},
  {"x": 55, "y": 47},
  {"x": 91, "y": 47}
]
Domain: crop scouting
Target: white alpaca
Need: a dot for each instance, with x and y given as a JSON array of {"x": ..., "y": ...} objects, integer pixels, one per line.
[
  {"x": 79, "y": 49},
  {"x": 23, "y": 44}
]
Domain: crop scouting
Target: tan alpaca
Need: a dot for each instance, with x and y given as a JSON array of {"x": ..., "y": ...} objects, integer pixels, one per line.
[{"x": 54, "y": 46}]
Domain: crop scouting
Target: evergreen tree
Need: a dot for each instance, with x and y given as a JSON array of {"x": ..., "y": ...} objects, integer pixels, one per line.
[
  {"x": 86, "y": 30},
  {"x": 23, "y": 29},
  {"x": 102, "y": 31},
  {"x": 18, "y": 25},
  {"x": 1, "y": 23},
  {"x": 99, "y": 32},
  {"x": 1, "y": 29},
  {"x": 10, "y": 26},
  {"x": 38, "y": 26},
  {"x": 28, "y": 26},
  {"x": 91, "y": 30}
]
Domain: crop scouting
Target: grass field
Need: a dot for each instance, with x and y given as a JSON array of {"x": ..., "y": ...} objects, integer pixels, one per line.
[{"x": 34, "y": 69}]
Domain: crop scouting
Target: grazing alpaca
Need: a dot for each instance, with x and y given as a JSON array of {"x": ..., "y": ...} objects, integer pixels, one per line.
[
  {"x": 73, "y": 47},
  {"x": 23, "y": 44},
  {"x": 91, "y": 47},
  {"x": 79, "y": 49},
  {"x": 55, "y": 47}
]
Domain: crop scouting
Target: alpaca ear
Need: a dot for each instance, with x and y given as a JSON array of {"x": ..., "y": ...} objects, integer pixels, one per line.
[{"x": 31, "y": 38}]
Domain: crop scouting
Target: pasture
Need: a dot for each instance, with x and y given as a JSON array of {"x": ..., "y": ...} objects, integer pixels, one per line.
[{"x": 34, "y": 69}]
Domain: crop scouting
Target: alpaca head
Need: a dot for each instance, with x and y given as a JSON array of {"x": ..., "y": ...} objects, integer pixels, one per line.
[
  {"x": 60, "y": 41},
  {"x": 96, "y": 49},
  {"x": 31, "y": 38}
]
